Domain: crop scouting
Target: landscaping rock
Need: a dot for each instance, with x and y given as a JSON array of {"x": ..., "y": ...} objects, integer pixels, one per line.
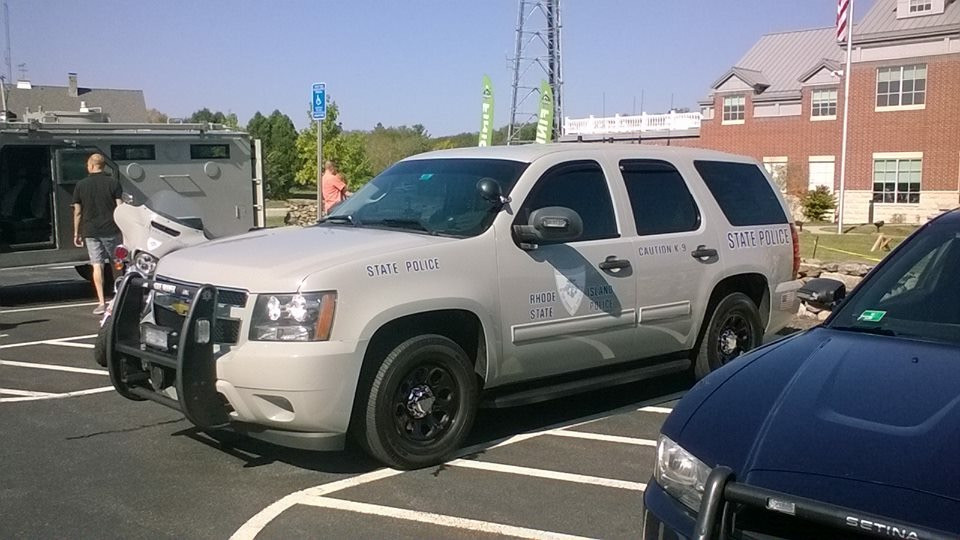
[
  {"x": 849, "y": 281},
  {"x": 854, "y": 269}
]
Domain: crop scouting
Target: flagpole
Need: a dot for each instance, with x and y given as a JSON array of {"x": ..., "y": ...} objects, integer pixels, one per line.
[{"x": 846, "y": 117}]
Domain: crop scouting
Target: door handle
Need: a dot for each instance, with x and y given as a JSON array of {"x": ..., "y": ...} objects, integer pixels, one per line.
[
  {"x": 613, "y": 263},
  {"x": 703, "y": 252}
]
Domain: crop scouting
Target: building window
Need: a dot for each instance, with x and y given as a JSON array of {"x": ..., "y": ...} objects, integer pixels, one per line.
[
  {"x": 919, "y": 6},
  {"x": 777, "y": 169},
  {"x": 896, "y": 180},
  {"x": 133, "y": 152},
  {"x": 733, "y": 109},
  {"x": 902, "y": 87},
  {"x": 824, "y": 104}
]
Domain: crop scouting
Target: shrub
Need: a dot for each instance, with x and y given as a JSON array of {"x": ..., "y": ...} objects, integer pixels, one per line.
[{"x": 817, "y": 202}]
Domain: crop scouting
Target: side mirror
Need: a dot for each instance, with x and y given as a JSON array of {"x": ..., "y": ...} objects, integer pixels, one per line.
[
  {"x": 549, "y": 225},
  {"x": 823, "y": 293},
  {"x": 490, "y": 191}
]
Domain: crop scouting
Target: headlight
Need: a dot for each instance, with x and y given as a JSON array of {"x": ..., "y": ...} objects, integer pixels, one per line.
[
  {"x": 680, "y": 473},
  {"x": 293, "y": 317},
  {"x": 146, "y": 263}
]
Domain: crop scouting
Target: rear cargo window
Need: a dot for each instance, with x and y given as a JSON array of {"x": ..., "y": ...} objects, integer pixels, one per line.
[
  {"x": 209, "y": 151},
  {"x": 133, "y": 152},
  {"x": 743, "y": 193}
]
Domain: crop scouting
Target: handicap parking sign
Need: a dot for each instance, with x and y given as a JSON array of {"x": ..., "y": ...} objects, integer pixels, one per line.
[{"x": 319, "y": 101}]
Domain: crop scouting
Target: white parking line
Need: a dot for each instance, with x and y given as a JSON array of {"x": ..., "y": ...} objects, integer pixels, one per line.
[
  {"x": 42, "y": 308},
  {"x": 602, "y": 437},
  {"x": 71, "y": 344},
  {"x": 258, "y": 522},
  {"x": 661, "y": 410},
  {"x": 438, "y": 519},
  {"x": 87, "y": 392},
  {"x": 544, "y": 473},
  {"x": 56, "y": 341},
  {"x": 26, "y": 393},
  {"x": 53, "y": 367}
]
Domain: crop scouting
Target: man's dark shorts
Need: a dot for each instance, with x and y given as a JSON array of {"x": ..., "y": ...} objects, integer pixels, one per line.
[{"x": 101, "y": 249}]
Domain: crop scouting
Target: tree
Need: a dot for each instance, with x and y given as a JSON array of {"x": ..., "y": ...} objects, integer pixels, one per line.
[
  {"x": 387, "y": 145},
  {"x": 156, "y": 117},
  {"x": 278, "y": 137},
  {"x": 817, "y": 202},
  {"x": 204, "y": 116},
  {"x": 347, "y": 150}
]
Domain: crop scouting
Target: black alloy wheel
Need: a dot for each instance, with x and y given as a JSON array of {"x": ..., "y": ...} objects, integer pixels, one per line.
[
  {"x": 420, "y": 405},
  {"x": 732, "y": 329}
]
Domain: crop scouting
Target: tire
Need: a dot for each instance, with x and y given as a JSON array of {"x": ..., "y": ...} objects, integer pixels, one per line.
[
  {"x": 735, "y": 318},
  {"x": 100, "y": 346},
  {"x": 421, "y": 403},
  {"x": 85, "y": 271}
]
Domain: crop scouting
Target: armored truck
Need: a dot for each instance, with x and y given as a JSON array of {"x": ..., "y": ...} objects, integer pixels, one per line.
[{"x": 180, "y": 170}]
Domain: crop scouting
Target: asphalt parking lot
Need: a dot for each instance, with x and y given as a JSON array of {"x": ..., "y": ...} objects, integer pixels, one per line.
[{"x": 79, "y": 460}]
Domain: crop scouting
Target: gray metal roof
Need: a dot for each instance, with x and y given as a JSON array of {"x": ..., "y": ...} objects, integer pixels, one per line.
[
  {"x": 127, "y": 106},
  {"x": 752, "y": 77},
  {"x": 784, "y": 57},
  {"x": 881, "y": 22}
]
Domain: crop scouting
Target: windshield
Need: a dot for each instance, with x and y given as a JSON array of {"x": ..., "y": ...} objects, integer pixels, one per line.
[
  {"x": 434, "y": 196},
  {"x": 917, "y": 295}
]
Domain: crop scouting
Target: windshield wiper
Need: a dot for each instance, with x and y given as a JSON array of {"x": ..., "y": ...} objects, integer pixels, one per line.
[
  {"x": 877, "y": 330},
  {"x": 339, "y": 219},
  {"x": 400, "y": 223}
]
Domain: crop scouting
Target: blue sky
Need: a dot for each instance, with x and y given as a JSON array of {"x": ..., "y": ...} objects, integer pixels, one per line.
[{"x": 395, "y": 62}]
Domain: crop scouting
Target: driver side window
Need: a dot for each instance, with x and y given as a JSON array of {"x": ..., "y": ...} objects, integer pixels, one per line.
[{"x": 580, "y": 186}]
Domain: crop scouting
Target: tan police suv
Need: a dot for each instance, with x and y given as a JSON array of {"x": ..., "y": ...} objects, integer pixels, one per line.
[{"x": 457, "y": 279}]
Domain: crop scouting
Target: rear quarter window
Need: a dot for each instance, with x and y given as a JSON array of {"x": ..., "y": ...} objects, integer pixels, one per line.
[{"x": 743, "y": 193}]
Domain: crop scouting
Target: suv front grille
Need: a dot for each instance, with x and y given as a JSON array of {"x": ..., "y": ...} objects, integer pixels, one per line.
[{"x": 226, "y": 331}]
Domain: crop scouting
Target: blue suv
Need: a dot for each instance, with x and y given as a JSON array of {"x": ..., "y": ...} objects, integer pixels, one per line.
[{"x": 851, "y": 429}]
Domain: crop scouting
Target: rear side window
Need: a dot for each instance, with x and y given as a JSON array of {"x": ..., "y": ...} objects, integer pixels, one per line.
[
  {"x": 659, "y": 197},
  {"x": 743, "y": 193},
  {"x": 582, "y": 187}
]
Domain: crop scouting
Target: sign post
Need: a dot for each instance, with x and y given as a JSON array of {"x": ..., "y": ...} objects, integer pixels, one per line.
[{"x": 319, "y": 111}]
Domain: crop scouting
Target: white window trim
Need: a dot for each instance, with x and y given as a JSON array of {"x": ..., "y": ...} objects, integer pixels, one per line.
[
  {"x": 901, "y": 108},
  {"x": 774, "y": 159},
  {"x": 897, "y": 155},
  {"x": 837, "y": 105},
  {"x": 724, "y": 122},
  {"x": 822, "y": 159},
  {"x": 914, "y": 107}
]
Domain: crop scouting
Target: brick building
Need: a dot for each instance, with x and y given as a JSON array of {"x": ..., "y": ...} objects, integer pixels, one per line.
[{"x": 782, "y": 103}]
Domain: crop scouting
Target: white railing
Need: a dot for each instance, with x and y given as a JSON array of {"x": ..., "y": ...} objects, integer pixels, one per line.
[{"x": 671, "y": 121}]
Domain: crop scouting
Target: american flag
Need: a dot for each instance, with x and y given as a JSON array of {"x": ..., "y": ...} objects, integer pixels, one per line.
[{"x": 843, "y": 17}]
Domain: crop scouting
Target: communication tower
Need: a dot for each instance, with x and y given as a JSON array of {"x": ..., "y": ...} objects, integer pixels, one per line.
[{"x": 537, "y": 57}]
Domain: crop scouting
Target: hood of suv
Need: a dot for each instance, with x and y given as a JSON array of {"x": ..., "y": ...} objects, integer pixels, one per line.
[
  {"x": 859, "y": 408},
  {"x": 277, "y": 260}
]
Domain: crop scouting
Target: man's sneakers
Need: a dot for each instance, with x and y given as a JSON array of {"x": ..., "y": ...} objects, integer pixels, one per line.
[{"x": 99, "y": 309}]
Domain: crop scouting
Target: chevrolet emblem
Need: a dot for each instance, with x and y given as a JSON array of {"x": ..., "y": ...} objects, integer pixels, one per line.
[{"x": 181, "y": 308}]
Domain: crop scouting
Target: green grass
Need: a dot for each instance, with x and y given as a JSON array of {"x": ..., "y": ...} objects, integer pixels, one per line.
[
  {"x": 275, "y": 221},
  {"x": 843, "y": 248}
]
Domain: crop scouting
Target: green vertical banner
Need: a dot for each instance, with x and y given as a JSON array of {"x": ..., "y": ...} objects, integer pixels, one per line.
[
  {"x": 545, "y": 118},
  {"x": 486, "y": 118}
]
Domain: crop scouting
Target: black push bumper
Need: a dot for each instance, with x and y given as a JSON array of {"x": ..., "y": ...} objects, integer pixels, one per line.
[
  {"x": 139, "y": 371},
  {"x": 723, "y": 498}
]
